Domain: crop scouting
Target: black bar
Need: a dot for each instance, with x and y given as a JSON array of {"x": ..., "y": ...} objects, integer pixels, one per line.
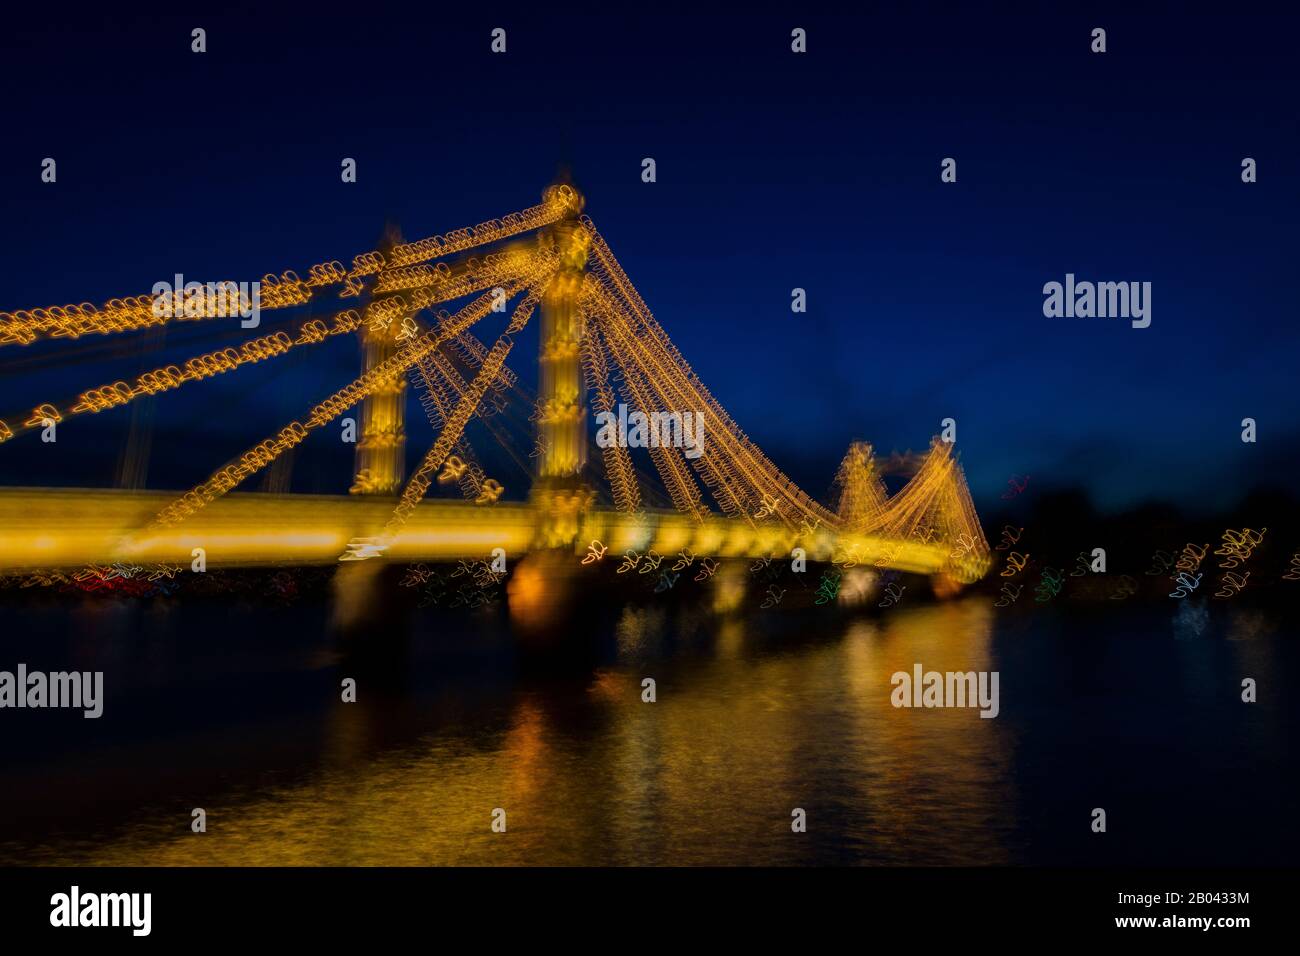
[{"x": 205, "y": 905}]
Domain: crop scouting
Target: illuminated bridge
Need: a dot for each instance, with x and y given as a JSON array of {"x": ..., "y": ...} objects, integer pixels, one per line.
[{"x": 600, "y": 347}]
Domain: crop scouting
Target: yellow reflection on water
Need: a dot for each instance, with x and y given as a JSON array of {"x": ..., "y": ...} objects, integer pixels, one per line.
[{"x": 707, "y": 774}]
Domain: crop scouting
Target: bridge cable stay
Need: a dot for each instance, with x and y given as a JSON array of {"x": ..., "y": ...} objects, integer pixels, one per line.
[
  {"x": 715, "y": 473},
  {"x": 937, "y": 494},
  {"x": 437, "y": 407},
  {"x": 424, "y": 373},
  {"x": 714, "y": 464},
  {"x": 446, "y": 380},
  {"x": 288, "y": 289},
  {"x": 762, "y": 491},
  {"x": 263, "y": 454},
  {"x": 610, "y": 273},
  {"x": 487, "y": 274},
  {"x": 636, "y": 393},
  {"x": 441, "y": 385},
  {"x": 525, "y": 397},
  {"x": 619, "y": 469},
  {"x": 442, "y": 370},
  {"x": 649, "y": 336},
  {"x": 418, "y": 483}
]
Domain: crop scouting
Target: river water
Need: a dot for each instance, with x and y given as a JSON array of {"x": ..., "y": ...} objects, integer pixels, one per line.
[{"x": 236, "y": 709}]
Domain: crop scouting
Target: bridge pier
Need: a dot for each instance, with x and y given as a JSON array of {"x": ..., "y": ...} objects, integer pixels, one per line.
[{"x": 371, "y": 628}]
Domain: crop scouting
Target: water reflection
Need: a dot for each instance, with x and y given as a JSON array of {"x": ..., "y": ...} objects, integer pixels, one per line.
[
  {"x": 752, "y": 719},
  {"x": 738, "y": 736}
]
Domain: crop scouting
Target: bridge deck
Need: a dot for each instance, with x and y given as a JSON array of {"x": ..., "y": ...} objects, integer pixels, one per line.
[{"x": 60, "y": 528}]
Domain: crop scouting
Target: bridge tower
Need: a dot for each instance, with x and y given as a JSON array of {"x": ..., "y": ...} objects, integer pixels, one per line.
[
  {"x": 558, "y": 487},
  {"x": 381, "y": 448},
  {"x": 861, "y": 491}
]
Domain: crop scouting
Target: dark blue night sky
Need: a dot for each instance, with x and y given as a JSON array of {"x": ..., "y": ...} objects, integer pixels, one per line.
[{"x": 775, "y": 171}]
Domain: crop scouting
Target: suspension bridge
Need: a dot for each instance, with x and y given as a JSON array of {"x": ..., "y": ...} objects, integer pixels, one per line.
[{"x": 600, "y": 347}]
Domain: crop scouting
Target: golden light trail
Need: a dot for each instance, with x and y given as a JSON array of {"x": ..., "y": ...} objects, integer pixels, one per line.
[
  {"x": 125, "y": 314},
  {"x": 491, "y": 272},
  {"x": 455, "y": 425}
]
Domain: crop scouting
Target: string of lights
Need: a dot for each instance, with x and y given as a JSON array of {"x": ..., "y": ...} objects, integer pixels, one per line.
[
  {"x": 135, "y": 312},
  {"x": 418, "y": 483},
  {"x": 267, "y": 451}
]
